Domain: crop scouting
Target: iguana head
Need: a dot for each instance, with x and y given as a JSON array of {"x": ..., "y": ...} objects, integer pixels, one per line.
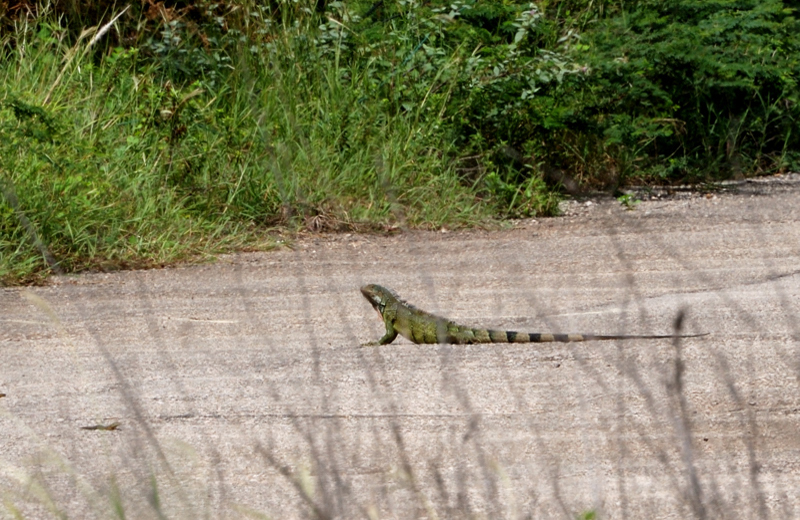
[{"x": 377, "y": 296}]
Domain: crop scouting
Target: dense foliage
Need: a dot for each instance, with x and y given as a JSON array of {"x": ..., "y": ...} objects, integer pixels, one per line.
[
  {"x": 187, "y": 128},
  {"x": 600, "y": 93}
]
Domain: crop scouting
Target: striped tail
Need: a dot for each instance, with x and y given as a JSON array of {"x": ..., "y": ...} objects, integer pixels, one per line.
[{"x": 507, "y": 336}]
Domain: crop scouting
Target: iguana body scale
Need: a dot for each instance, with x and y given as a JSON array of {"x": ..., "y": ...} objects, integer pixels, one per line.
[{"x": 419, "y": 326}]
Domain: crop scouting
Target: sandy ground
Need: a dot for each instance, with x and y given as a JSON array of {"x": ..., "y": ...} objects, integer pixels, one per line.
[{"x": 242, "y": 387}]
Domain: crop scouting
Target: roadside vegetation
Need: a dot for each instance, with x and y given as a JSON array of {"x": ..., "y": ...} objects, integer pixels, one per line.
[{"x": 182, "y": 130}]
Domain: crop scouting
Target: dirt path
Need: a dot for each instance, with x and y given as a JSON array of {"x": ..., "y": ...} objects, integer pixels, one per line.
[{"x": 222, "y": 377}]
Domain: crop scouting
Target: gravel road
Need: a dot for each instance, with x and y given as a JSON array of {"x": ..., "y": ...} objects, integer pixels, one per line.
[{"x": 242, "y": 387}]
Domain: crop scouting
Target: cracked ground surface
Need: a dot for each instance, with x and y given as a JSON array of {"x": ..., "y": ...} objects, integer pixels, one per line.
[{"x": 242, "y": 386}]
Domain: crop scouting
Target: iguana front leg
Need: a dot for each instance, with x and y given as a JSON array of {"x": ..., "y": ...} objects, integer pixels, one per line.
[
  {"x": 390, "y": 335},
  {"x": 387, "y": 338}
]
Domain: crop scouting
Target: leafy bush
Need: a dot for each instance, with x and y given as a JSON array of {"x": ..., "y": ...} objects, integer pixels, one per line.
[
  {"x": 655, "y": 91},
  {"x": 675, "y": 91}
]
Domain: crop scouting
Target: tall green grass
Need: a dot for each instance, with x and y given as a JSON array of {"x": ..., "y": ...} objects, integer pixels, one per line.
[{"x": 109, "y": 161}]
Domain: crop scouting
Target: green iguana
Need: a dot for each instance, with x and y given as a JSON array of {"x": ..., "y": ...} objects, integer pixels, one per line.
[{"x": 422, "y": 327}]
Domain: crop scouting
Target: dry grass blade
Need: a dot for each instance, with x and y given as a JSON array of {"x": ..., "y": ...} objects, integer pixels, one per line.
[{"x": 76, "y": 50}]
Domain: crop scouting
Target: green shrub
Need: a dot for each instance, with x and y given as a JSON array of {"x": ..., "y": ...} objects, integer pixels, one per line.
[{"x": 676, "y": 91}]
